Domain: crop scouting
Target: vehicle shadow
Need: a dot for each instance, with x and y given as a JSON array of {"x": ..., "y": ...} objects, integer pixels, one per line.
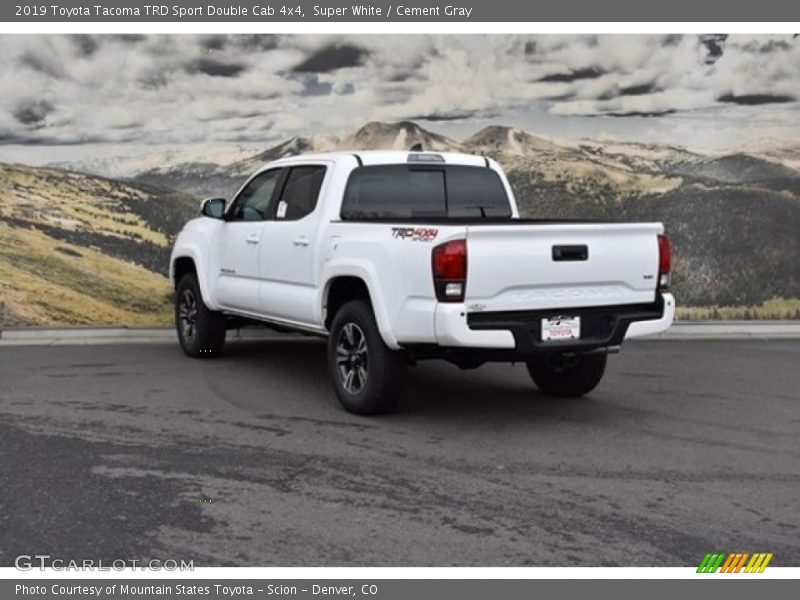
[
  {"x": 500, "y": 392},
  {"x": 433, "y": 388}
]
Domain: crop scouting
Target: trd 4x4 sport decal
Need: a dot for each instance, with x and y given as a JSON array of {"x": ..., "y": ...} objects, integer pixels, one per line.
[{"x": 415, "y": 234}]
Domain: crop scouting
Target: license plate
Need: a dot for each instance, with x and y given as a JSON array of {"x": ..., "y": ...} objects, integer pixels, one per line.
[{"x": 561, "y": 328}]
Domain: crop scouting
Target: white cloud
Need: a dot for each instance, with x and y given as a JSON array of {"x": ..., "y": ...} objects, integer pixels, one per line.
[{"x": 189, "y": 89}]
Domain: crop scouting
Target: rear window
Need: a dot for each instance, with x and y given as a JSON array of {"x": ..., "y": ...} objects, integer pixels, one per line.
[{"x": 421, "y": 191}]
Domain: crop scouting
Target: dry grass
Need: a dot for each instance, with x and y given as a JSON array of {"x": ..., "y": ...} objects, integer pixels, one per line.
[
  {"x": 602, "y": 170},
  {"x": 773, "y": 309},
  {"x": 49, "y": 282},
  {"x": 72, "y": 201},
  {"x": 67, "y": 281}
]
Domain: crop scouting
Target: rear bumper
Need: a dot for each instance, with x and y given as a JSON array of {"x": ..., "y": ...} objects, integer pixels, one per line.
[
  {"x": 520, "y": 331},
  {"x": 654, "y": 326}
]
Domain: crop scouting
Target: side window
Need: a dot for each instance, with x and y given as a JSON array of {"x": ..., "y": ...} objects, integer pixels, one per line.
[
  {"x": 300, "y": 193},
  {"x": 253, "y": 202}
]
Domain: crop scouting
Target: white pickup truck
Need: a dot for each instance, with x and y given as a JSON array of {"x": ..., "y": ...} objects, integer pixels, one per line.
[{"x": 398, "y": 257}]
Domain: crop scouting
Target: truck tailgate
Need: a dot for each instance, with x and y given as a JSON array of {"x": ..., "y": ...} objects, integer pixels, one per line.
[{"x": 536, "y": 266}]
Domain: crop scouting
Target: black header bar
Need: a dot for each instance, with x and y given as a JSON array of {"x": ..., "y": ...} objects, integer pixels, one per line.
[{"x": 298, "y": 11}]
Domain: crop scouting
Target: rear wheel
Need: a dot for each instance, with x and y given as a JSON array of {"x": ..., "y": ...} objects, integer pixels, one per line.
[
  {"x": 567, "y": 375},
  {"x": 367, "y": 375},
  {"x": 201, "y": 331}
]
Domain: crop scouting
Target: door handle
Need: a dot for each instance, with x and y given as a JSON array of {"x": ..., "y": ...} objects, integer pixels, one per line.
[
  {"x": 253, "y": 239},
  {"x": 563, "y": 253},
  {"x": 301, "y": 241}
]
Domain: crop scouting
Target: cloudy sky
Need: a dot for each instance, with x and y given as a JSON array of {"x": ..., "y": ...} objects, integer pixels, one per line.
[{"x": 112, "y": 93}]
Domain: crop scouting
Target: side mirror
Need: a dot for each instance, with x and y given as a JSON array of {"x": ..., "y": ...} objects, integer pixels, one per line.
[{"x": 213, "y": 208}]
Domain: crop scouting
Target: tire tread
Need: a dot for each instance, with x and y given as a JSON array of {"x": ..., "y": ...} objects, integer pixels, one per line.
[
  {"x": 387, "y": 368},
  {"x": 211, "y": 325}
]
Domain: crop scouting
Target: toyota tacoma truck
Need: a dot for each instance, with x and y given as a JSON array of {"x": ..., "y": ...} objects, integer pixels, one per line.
[{"x": 397, "y": 257}]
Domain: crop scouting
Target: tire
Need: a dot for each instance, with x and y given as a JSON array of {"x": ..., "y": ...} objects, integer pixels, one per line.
[
  {"x": 567, "y": 376},
  {"x": 201, "y": 331},
  {"x": 367, "y": 375}
]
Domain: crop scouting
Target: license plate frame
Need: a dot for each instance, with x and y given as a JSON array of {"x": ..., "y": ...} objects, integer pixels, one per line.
[{"x": 560, "y": 329}]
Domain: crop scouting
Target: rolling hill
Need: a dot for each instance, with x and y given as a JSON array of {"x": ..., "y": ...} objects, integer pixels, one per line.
[
  {"x": 82, "y": 249},
  {"x": 734, "y": 168}
]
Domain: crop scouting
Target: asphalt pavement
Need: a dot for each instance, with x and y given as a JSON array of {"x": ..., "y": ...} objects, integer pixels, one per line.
[{"x": 137, "y": 452}]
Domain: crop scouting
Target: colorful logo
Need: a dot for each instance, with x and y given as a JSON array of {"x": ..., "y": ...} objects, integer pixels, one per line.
[
  {"x": 735, "y": 562},
  {"x": 415, "y": 234}
]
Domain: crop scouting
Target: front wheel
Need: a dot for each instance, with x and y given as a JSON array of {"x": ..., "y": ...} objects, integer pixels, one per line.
[
  {"x": 201, "y": 331},
  {"x": 367, "y": 375},
  {"x": 567, "y": 375}
]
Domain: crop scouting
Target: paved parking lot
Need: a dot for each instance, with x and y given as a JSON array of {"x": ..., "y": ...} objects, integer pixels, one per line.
[{"x": 136, "y": 452}]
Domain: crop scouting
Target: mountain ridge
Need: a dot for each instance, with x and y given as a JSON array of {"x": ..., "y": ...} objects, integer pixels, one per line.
[
  {"x": 494, "y": 139},
  {"x": 497, "y": 141},
  {"x": 733, "y": 217}
]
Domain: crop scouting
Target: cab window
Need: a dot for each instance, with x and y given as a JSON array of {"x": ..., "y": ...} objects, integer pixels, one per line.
[{"x": 254, "y": 201}]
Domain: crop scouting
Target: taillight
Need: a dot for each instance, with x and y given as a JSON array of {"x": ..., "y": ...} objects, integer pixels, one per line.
[
  {"x": 664, "y": 262},
  {"x": 449, "y": 264}
]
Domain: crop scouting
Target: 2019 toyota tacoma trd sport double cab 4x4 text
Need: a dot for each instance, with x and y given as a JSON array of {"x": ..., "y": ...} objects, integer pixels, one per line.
[{"x": 398, "y": 257}]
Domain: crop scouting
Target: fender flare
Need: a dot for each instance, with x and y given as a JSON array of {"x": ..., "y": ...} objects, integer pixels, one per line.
[
  {"x": 365, "y": 271},
  {"x": 193, "y": 252}
]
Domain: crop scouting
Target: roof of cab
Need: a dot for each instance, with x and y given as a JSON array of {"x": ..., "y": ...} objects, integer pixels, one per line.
[{"x": 384, "y": 157}]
